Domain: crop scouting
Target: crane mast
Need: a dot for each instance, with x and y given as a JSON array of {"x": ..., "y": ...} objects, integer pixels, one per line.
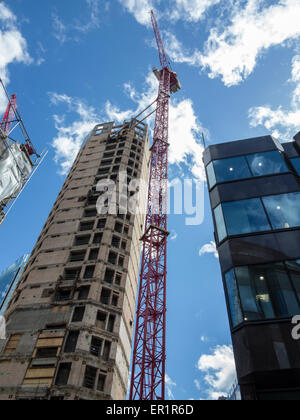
[
  {"x": 149, "y": 351},
  {"x": 9, "y": 116}
]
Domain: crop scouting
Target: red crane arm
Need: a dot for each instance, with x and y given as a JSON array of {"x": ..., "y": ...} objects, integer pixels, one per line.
[{"x": 161, "y": 51}]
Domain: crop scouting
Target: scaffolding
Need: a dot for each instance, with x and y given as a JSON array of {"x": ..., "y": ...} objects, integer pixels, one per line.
[{"x": 18, "y": 157}]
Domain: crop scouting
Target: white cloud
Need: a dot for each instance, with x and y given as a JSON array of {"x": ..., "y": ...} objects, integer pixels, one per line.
[
  {"x": 197, "y": 384},
  {"x": 191, "y": 10},
  {"x": 186, "y": 10},
  {"x": 13, "y": 47},
  {"x": 209, "y": 249},
  {"x": 184, "y": 128},
  {"x": 174, "y": 235},
  {"x": 242, "y": 31},
  {"x": 170, "y": 384},
  {"x": 232, "y": 53},
  {"x": 177, "y": 52},
  {"x": 282, "y": 123},
  {"x": 219, "y": 370},
  {"x": 70, "y": 136},
  {"x": 140, "y": 9},
  {"x": 66, "y": 32}
]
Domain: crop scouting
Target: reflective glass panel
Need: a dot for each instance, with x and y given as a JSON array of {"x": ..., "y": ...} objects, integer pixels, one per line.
[
  {"x": 266, "y": 292},
  {"x": 231, "y": 169},
  {"x": 211, "y": 175},
  {"x": 245, "y": 216},
  {"x": 296, "y": 164},
  {"x": 283, "y": 210},
  {"x": 221, "y": 228},
  {"x": 233, "y": 298},
  {"x": 294, "y": 271},
  {"x": 267, "y": 163}
]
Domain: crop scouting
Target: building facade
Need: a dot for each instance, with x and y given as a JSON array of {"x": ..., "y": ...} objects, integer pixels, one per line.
[
  {"x": 70, "y": 320},
  {"x": 254, "y": 188},
  {"x": 8, "y": 281}
]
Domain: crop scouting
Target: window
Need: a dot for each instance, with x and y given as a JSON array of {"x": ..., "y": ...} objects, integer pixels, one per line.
[
  {"x": 71, "y": 274},
  {"x": 115, "y": 300},
  {"x": 101, "y": 383},
  {"x": 89, "y": 272},
  {"x": 118, "y": 227},
  {"x": 105, "y": 296},
  {"x": 241, "y": 217},
  {"x": 296, "y": 164},
  {"x": 90, "y": 377},
  {"x": 71, "y": 342},
  {"x": 77, "y": 256},
  {"x": 233, "y": 299},
  {"x": 63, "y": 374},
  {"x": 62, "y": 295},
  {"x": 46, "y": 352},
  {"x": 267, "y": 163},
  {"x": 91, "y": 202},
  {"x": 96, "y": 345},
  {"x": 78, "y": 314},
  {"x": 101, "y": 224},
  {"x": 106, "y": 162},
  {"x": 82, "y": 240},
  {"x": 109, "y": 276},
  {"x": 115, "y": 242},
  {"x": 236, "y": 168},
  {"x": 106, "y": 351},
  {"x": 112, "y": 258},
  {"x": 90, "y": 212},
  {"x": 293, "y": 268},
  {"x": 101, "y": 320},
  {"x": 111, "y": 323},
  {"x": 283, "y": 210},
  {"x": 97, "y": 238},
  {"x": 86, "y": 226},
  {"x": 84, "y": 293},
  {"x": 94, "y": 254},
  {"x": 231, "y": 169},
  {"x": 261, "y": 292},
  {"x": 118, "y": 279}
]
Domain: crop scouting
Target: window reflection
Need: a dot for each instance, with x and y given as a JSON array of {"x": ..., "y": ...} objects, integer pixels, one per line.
[
  {"x": 294, "y": 272},
  {"x": 296, "y": 164},
  {"x": 221, "y": 228},
  {"x": 211, "y": 175},
  {"x": 262, "y": 292},
  {"x": 283, "y": 210},
  {"x": 267, "y": 163},
  {"x": 245, "y": 216},
  {"x": 231, "y": 169},
  {"x": 236, "y": 168},
  {"x": 233, "y": 298}
]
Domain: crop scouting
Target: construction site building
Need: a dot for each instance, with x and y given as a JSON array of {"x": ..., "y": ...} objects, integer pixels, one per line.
[{"x": 70, "y": 321}]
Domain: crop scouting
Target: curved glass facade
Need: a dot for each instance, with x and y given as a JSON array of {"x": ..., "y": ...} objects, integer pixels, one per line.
[
  {"x": 258, "y": 215},
  {"x": 263, "y": 292},
  {"x": 255, "y": 165}
]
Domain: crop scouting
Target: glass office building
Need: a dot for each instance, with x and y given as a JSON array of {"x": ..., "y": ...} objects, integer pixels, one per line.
[
  {"x": 254, "y": 188},
  {"x": 8, "y": 281}
]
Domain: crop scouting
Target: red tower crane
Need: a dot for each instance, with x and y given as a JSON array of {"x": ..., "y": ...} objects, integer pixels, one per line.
[
  {"x": 9, "y": 116},
  {"x": 149, "y": 352}
]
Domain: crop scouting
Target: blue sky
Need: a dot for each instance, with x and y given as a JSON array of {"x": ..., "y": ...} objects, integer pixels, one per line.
[{"x": 75, "y": 63}]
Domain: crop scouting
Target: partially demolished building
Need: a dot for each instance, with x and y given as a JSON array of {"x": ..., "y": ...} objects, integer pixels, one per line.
[{"x": 70, "y": 320}]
